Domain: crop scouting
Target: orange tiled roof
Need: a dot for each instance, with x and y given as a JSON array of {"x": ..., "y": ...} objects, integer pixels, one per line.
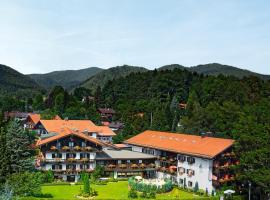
[
  {"x": 208, "y": 147},
  {"x": 121, "y": 145},
  {"x": 34, "y": 117},
  {"x": 66, "y": 132},
  {"x": 105, "y": 131},
  {"x": 57, "y": 126}
]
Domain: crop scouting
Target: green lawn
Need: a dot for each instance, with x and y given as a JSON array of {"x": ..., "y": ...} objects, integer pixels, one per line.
[{"x": 113, "y": 190}]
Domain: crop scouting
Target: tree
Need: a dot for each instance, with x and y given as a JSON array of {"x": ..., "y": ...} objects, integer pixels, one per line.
[
  {"x": 19, "y": 153},
  {"x": 3, "y": 156},
  {"x": 253, "y": 141},
  {"x": 38, "y": 103},
  {"x": 86, "y": 184},
  {"x": 25, "y": 184},
  {"x": 196, "y": 187},
  {"x": 59, "y": 103}
]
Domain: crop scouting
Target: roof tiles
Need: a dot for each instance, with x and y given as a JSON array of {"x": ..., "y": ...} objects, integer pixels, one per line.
[{"x": 200, "y": 146}]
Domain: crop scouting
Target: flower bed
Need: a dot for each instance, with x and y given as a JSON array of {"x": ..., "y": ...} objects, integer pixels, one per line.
[{"x": 166, "y": 186}]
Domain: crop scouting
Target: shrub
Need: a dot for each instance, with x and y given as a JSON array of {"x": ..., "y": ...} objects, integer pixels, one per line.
[
  {"x": 132, "y": 193},
  {"x": 49, "y": 176},
  {"x": 25, "y": 184},
  {"x": 196, "y": 188},
  {"x": 152, "y": 194}
]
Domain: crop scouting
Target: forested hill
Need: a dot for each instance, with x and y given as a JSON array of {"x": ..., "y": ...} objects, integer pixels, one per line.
[
  {"x": 66, "y": 78},
  {"x": 12, "y": 82},
  {"x": 103, "y": 77},
  {"x": 216, "y": 69}
]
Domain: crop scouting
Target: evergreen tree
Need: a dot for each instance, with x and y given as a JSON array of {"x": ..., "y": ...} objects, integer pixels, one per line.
[
  {"x": 3, "y": 156},
  {"x": 18, "y": 149},
  {"x": 86, "y": 184}
]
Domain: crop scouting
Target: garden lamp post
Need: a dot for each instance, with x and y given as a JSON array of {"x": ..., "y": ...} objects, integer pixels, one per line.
[{"x": 249, "y": 187}]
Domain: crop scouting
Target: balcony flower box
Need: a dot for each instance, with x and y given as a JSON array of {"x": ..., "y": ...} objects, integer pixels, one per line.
[
  {"x": 151, "y": 165},
  {"x": 77, "y": 148},
  {"x": 88, "y": 148},
  {"x": 111, "y": 166},
  {"x": 142, "y": 166},
  {"x": 84, "y": 160},
  {"x": 53, "y": 148},
  {"x": 122, "y": 166},
  {"x": 134, "y": 166},
  {"x": 65, "y": 148},
  {"x": 58, "y": 159},
  {"x": 71, "y": 159}
]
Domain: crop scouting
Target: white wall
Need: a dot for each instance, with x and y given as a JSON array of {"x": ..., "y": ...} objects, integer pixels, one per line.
[
  {"x": 203, "y": 173},
  {"x": 48, "y": 155},
  {"x": 136, "y": 148}
]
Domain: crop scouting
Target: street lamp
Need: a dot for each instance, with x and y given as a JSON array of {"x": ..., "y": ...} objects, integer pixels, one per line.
[{"x": 249, "y": 187}]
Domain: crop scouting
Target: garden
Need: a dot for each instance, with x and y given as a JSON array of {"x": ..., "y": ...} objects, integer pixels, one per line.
[{"x": 109, "y": 190}]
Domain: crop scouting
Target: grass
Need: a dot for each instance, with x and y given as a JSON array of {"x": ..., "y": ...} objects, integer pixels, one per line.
[{"x": 113, "y": 190}]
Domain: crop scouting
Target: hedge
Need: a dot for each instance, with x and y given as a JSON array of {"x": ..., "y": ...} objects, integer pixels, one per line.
[{"x": 142, "y": 187}]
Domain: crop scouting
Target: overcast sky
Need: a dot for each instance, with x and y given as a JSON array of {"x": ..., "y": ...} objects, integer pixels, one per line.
[{"x": 43, "y": 36}]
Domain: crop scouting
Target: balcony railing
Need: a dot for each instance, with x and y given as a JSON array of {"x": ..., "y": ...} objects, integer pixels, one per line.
[
  {"x": 130, "y": 167},
  {"x": 71, "y": 171},
  {"x": 68, "y": 160},
  {"x": 72, "y": 149}
]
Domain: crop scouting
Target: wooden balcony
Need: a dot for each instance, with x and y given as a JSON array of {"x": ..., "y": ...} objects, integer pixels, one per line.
[
  {"x": 73, "y": 149},
  {"x": 130, "y": 167},
  {"x": 68, "y": 160}
]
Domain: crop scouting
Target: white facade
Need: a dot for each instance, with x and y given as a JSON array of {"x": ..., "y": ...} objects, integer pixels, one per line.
[{"x": 202, "y": 170}]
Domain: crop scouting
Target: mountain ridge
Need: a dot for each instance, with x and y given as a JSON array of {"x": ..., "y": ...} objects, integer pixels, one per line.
[
  {"x": 14, "y": 82},
  {"x": 66, "y": 78},
  {"x": 216, "y": 69}
]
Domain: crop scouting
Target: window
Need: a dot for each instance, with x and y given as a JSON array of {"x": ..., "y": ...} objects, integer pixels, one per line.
[
  {"x": 190, "y": 184},
  {"x": 181, "y": 158},
  {"x": 190, "y": 172},
  {"x": 71, "y": 144},
  {"x": 148, "y": 151},
  {"x": 83, "y": 144},
  {"x": 191, "y": 160},
  {"x": 181, "y": 181},
  {"x": 58, "y": 145}
]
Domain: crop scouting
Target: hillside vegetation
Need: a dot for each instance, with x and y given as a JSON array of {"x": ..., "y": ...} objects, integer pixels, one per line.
[
  {"x": 66, "y": 78},
  {"x": 216, "y": 69},
  {"x": 100, "y": 79},
  {"x": 13, "y": 82}
]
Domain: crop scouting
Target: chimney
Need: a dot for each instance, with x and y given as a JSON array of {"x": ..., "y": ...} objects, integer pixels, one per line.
[{"x": 66, "y": 118}]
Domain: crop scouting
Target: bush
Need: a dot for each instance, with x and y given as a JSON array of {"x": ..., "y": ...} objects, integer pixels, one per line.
[
  {"x": 152, "y": 194},
  {"x": 25, "y": 184},
  {"x": 49, "y": 176},
  {"x": 141, "y": 187},
  {"x": 132, "y": 193}
]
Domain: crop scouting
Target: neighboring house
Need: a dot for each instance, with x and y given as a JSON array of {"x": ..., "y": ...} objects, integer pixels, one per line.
[
  {"x": 70, "y": 150},
  {"x": 87, "y": 127},
  {"x": 116, "y": 126},
  {"x": 32, "y": 120},
  {"x": 15, "y": 115},
  {"x": 187, "y": 159},
  {"x": 106, "y": 114}
]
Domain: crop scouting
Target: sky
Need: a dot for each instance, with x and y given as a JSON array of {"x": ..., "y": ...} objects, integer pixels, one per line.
[{"x": 43, "y": 36}]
